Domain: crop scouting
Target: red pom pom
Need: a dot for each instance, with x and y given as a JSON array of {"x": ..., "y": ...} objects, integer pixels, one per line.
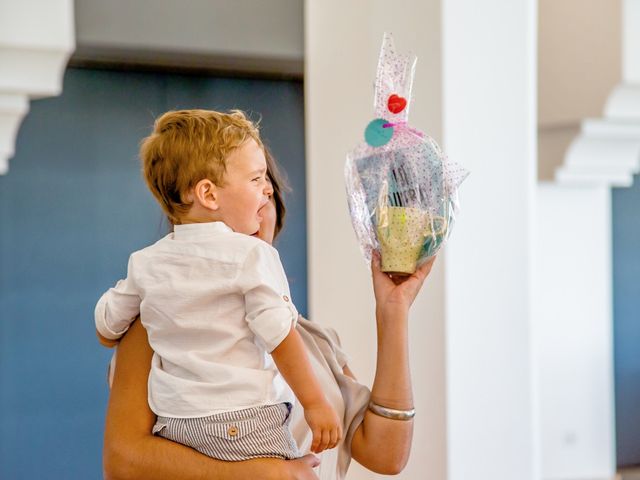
[{"x": 396, "y": 103}]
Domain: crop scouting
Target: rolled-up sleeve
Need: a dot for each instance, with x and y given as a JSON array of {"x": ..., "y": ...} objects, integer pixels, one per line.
[
  {"x": 270, "y": 312},
  {"x": 118, "y": 307}
]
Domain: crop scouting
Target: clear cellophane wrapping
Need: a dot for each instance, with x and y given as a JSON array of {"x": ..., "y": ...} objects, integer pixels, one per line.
[{"x": 401, "y": 189}]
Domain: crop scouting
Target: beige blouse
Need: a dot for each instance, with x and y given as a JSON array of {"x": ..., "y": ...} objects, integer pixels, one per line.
[{"x": 348, "y": 397}]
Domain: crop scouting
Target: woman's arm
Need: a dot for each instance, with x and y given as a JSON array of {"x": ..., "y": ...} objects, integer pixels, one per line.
[
  {"x": 132, "y": 452},
  {"x": 105, "y": 342},
  {"x": 382, "y": 444}
]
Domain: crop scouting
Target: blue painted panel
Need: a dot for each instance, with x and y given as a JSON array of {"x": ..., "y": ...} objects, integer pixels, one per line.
[
  {"x": 626, "y": 284},
  {"x": 72, "y": 209}
]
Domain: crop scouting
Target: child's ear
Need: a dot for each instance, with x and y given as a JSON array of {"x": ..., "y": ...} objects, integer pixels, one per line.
[{"x": 206, "y": 194}]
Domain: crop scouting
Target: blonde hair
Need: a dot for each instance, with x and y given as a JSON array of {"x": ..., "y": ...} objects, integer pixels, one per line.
[{"x": 187, "y": 146}]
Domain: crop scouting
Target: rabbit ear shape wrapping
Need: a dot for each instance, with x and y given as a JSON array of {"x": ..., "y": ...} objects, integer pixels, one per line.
[{"x": 394, "y": 81}]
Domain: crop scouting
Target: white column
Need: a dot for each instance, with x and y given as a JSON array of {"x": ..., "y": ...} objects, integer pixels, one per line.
[
  {"x": 490, "y": 125},
  {"x": 36, "y": 39},
  {"x": 342, "y": 41},
  {"x": 474, "y": 399}
]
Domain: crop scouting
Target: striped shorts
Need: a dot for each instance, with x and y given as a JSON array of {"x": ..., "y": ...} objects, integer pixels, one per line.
[{"x": 234, "y": 436}]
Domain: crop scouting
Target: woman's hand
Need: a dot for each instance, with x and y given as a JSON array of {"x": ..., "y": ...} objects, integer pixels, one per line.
[
  {"x": 301, "y": 468},
  {"x": 397, "y": 292}
]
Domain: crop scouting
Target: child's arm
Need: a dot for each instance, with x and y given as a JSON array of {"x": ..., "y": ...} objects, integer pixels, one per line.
[
  {"x": 291, "y": 358},
  {"x": 117, "y": 309},
  {"x": 271, "y": 317}
]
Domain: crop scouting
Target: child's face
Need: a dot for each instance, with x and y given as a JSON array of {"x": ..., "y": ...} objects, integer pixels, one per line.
[
  {"x": 268, "y": 225},
  {"x": 245, "y": 189}
]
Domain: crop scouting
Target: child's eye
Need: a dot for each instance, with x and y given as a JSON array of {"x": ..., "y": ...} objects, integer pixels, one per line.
[{"x": 256, "y": 179}]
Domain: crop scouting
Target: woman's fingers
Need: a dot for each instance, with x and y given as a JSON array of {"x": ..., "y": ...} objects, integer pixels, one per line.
[
  {"x": 425, "y": 268},
  {"x": 381, "y": 280},
  {"x": 302, "y": 468},
  {"x": 375, "y": 264},
  {"x": 422, "y": 271},
  {"x": 311, "y": 460}
]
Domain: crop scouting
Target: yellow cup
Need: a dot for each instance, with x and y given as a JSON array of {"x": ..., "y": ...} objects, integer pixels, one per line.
[{"x": 402, "y": 232}]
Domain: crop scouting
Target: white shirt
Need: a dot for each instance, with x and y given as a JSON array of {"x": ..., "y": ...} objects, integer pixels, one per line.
[
  {"x": 215, "y": 303},
  {"x": 348, "y": 398}
]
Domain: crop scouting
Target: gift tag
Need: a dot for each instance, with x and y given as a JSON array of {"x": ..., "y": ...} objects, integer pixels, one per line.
[{"x": 376, "y": 134}]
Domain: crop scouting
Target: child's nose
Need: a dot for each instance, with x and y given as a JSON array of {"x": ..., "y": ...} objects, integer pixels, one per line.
[{"x": 268, "y": 189}]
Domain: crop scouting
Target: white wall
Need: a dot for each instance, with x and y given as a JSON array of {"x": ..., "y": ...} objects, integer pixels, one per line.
[
  {"x": 580, "y": 62},
  {"x": 573, "y": 331},
  {"x": 580, "y": 57},
  {"x": 630, "y": 41},
  {"x": 251, "y": 35}
]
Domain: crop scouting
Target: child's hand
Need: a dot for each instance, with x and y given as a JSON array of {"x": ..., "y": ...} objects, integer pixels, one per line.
[{"x": 325, "y": 426}]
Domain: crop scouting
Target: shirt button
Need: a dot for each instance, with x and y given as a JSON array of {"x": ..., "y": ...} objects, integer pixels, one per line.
[
  {"x": 232, "y": 431},
  {"x": 285, "y": 298}
]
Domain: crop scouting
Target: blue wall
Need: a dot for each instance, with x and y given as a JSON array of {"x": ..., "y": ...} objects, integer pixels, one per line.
[
  {"x": 72, "y": 208},
  {"x": 626, "y": 291}
]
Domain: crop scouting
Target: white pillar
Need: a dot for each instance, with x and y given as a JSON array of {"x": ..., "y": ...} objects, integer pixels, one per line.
[
  {"x": 490, "y": 126},
  {"x": 342, "y": 41},
  {"x": 36, "y": 39},
  {"x": 476, "y": 70}
]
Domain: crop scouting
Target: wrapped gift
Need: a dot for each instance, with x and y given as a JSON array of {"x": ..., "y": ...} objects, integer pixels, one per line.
[{"x": 402, "y": 190}]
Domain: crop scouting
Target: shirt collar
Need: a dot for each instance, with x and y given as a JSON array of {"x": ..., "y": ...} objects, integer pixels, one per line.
[{"x": 194, "y": 230}]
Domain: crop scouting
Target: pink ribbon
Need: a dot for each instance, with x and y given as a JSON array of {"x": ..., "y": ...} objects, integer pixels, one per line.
[{"x": 405, "y": 126}]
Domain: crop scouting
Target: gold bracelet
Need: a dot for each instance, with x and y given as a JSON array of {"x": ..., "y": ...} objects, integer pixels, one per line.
[{"x": 391, "y": 413}]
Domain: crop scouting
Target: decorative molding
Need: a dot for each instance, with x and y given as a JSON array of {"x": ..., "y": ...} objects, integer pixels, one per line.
[
  {"x": 35, "y": 45},
  {"x": 35, "y": 71},
  {"x": 624, "y": 103},
  {"x": 13, "y": 108},
  {"x": 607, "y": 150}
]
